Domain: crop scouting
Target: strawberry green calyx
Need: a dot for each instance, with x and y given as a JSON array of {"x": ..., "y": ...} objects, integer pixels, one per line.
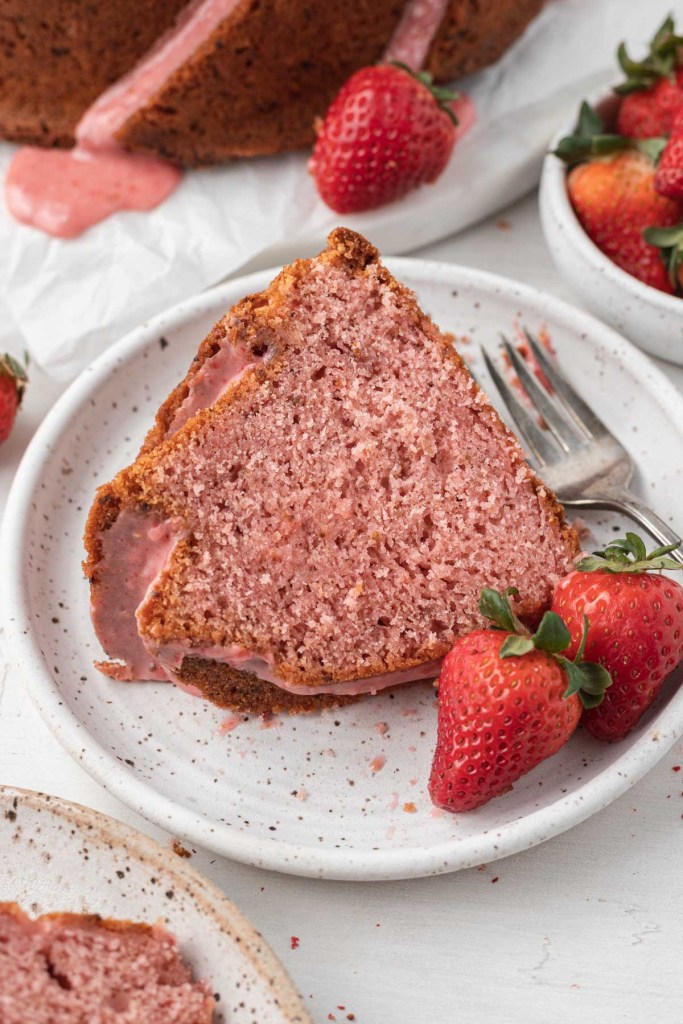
[
  {"x": 584, "y": 678},
  {"x": 661, "y": 61},
  {"x": 443, "y": 96},
  {"x": 11, "y": 367},
  {"x": 629, "y": 555},
  {"x": 591, "y": 140},
  {"x": 669, "y": 241}
]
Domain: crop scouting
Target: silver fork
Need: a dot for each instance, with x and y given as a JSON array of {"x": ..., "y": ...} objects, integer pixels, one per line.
[{"x": 576, "y": 455}]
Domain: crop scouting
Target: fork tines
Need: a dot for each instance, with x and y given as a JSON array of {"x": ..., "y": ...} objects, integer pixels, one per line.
[{"x": 570, "y": 424}]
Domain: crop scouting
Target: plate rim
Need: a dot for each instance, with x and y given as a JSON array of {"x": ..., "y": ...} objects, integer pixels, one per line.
[
  {"x": 142, "y": 847},
  {"x": 225, "y": 840}
]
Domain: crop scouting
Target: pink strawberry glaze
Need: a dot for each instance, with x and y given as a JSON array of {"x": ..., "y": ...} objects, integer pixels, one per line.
[
  {"x": 225, "y": 368},
  {"x": 134, "y": 551},
  {"x": 65, "y": 192},
  {"x": 415, "y": 32}
]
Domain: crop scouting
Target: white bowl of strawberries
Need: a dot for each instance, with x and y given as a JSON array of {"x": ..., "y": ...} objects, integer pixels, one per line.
[{"x": 611, "y": 200}]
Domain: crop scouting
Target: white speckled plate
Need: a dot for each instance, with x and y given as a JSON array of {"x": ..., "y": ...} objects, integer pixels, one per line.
[
  {"x": 59, "y": 856},
  {"x": 302, "y": 796}
]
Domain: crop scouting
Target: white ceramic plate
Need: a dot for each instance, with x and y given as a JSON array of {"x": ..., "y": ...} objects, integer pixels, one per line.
[
  {"x": 58, "y": 856},
  {"x": 301, "y": 796}
]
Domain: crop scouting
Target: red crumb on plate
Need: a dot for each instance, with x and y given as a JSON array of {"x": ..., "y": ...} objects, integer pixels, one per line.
[
  {"x": 294, "y": 941},
  {"x": 377, "y": 763},
  {"x": 410, "y": 807}
]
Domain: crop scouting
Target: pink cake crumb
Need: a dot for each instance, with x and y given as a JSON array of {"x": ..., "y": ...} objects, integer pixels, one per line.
[
  {"x": 394, "y": 802},
  {"x": 382, "y": 728},
  {"x": 302, "y": 794},
  {"x": 377, "y": 763}
]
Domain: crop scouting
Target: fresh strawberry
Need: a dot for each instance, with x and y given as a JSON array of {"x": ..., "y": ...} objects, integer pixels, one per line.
[
  {"x": 636, "y": 627},
  {"x": 651, "y": 112},
  {"x": 615, "y": 200},
  {"x": 669, "y": 176},
  {"x": 507, "y": 701},
  {"x": 12, "y": 384},
  {"x": 387, "y": 132},
  {"x": 653, "y": 89}
]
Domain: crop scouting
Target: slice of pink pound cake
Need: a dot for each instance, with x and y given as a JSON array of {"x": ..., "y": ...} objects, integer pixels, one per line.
[
  {"x": 77, "y": 969},
  {"x": 319, "y": 503}
]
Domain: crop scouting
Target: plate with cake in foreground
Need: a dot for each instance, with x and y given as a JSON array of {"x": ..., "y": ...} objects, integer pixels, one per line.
[
  {"x": 100, "y": 922},
  {"x": 307, "y": 528}
]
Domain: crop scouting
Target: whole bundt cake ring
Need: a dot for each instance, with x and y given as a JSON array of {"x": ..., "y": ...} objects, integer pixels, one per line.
[{"x": 245, "y": 77}]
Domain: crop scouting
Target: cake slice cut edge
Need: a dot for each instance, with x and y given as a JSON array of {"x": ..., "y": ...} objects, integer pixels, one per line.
[{"x": 319, "y": 502}]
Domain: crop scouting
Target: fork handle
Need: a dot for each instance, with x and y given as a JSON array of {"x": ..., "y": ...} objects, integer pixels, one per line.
[{"x": 621, "y": 500}]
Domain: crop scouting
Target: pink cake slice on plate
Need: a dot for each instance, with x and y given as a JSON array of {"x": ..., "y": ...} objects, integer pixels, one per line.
[{"x": 319, "y": 503}]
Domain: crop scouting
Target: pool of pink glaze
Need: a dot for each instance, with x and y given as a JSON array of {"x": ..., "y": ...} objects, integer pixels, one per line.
[{"x": 64, "y": 192}]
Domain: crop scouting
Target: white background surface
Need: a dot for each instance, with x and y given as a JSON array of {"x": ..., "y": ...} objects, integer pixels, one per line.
[{"x": 585, "y": 928}]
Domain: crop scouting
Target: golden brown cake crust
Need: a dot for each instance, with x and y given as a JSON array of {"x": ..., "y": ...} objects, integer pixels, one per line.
[
  {"x": 258, "y": 83},
  {"x": 57, "y": 56},
  {"x": 245, "y": 324},
  {"x": 473, "y": 35}
]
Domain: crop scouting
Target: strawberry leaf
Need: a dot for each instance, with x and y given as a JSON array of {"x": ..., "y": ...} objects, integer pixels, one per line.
[
  {"x": 586, "y": 678},
  {"x": 660, "y": 62},
  {"x": 515, "y": 646},
  {"x": 552, "y": 635},
  {"x": 497, "y": 608}
]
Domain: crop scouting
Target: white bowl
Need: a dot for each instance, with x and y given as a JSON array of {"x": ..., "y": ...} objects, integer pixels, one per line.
[{"x": 652, "y": 319}]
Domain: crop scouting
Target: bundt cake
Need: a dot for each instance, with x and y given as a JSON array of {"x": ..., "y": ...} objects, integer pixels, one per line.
[
  {"x": 72, "y": 968},
  {"x": 318, "y": 504},
  {"x": 200, "y": 82}
]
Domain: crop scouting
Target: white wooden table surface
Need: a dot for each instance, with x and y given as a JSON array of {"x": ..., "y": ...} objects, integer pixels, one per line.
[{"x": 587, "y": 927}]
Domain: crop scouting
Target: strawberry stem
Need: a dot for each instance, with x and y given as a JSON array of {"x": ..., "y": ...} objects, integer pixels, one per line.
[{"x": 629, "y": 555}]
